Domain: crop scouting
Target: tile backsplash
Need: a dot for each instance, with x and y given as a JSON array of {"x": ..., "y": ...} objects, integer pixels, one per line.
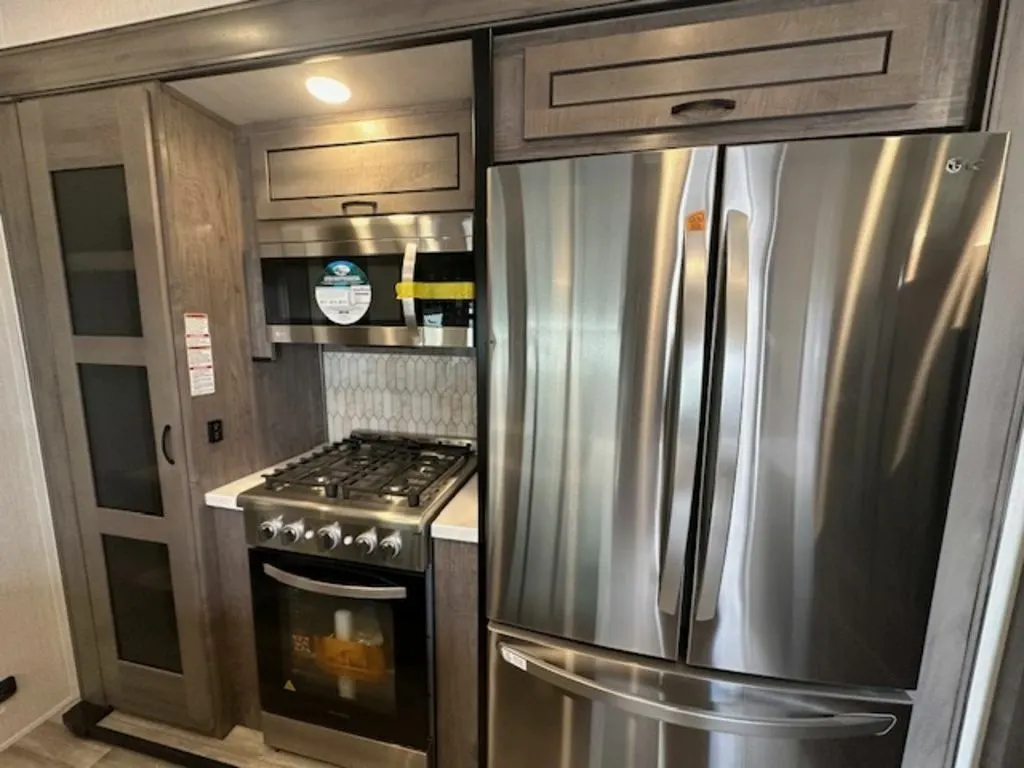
[{"x": 423, "y": 394}]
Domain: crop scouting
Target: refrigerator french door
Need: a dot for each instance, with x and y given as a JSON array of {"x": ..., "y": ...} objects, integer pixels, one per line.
[{"x": 726, "y": 389}]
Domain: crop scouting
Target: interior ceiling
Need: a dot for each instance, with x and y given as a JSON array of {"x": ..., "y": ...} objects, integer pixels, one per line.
[{"x": 404, "y": 78}]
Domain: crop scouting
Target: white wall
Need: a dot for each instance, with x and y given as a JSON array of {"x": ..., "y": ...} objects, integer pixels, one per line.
[
  {"x": 29, "y": 21},
  {"x": 35, "y": 641}
]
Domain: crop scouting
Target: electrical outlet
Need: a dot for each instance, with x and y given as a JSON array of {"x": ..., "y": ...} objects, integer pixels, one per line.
[{"x": 215, "y": 430}]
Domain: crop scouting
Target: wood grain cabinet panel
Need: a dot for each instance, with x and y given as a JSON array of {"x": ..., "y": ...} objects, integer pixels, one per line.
[
  {"x": 456, "y": 619},
  {"x": 742, "y": 71},
  {"x": 408, "y": 161},
  {"x": 847, "y": 57}
]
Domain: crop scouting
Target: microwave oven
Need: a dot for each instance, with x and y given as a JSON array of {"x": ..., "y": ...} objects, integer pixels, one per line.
[{"x": 379, "y": 281}]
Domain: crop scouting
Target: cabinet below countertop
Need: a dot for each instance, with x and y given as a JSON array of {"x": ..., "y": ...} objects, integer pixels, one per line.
[{"x": 456, "y": 652}]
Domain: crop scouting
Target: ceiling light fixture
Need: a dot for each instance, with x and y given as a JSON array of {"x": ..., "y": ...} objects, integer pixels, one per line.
[{"x": 328, "y": 89}]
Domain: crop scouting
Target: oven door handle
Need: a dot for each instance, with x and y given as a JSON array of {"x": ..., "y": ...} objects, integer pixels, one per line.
[{"x": 334, "y": 590}]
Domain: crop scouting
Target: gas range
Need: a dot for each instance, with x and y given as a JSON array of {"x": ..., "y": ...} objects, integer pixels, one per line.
[{"x": 368, "y": 499}]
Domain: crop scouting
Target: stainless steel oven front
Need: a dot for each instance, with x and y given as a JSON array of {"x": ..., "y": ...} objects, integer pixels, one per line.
[
  {"x": 344, "y": 660},
  {"x": 402, "y": 280}
]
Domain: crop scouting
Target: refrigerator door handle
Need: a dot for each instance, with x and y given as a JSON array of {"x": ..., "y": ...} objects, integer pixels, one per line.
[
  {"x": 694, "y": 309},
  {"x": 814, "y": 726},
  {"x": 737, "y": 281}
]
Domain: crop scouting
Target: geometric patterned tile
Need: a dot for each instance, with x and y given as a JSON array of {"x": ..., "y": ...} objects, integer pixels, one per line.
[{"x": 419, "y": 394}]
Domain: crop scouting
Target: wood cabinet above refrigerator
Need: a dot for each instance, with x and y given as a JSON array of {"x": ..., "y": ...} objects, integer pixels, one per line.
[
  {"x": 416, "y": 160},
  {"x": 736, "y": 72}
]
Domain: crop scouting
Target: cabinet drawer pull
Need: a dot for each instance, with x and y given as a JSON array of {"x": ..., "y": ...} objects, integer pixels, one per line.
[
  {"x": 683, "y": 108},
  {"x": 371, "y": 204}
]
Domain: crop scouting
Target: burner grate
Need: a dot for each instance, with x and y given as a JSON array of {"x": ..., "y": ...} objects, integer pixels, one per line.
[{"x": 374, "y": 469}]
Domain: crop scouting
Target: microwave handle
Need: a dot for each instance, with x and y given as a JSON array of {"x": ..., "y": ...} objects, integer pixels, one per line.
[
  {"x": 409, "y": 276},
  {"x": 333, "y": 590}
]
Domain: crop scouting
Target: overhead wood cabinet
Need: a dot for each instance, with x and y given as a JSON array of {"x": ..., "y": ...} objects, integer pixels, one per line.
[
  {"x": 399, "y": 161},
  {"x": 134, "y": 200},
  {"x": 710, "y": 74}
]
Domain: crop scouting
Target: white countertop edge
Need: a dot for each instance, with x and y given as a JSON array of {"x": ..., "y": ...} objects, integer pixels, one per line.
[
  {"x": 459, "y": 520},
  {"x": 226, "y": 497}
]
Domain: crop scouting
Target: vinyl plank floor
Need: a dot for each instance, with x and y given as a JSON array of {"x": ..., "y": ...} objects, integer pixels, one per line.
[{"x": 51, "y": 745}]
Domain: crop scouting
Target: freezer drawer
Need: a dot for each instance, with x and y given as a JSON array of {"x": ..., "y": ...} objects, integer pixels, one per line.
[{"x": 558, "y": 703}]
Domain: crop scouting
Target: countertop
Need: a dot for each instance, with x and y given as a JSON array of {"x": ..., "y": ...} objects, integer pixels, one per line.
[
  {"x": 460, "y": 518},
  {"x": 458, "y": 521}
]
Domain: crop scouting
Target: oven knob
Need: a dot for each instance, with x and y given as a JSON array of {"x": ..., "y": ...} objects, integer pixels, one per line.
[
  {"x": 292, "y": 532},
  {"x": 392, "y": 544},
  {"x": 328, "y": 537},
  {"x": 367, "y": 541},
  {"x": 268, "y": 529}
]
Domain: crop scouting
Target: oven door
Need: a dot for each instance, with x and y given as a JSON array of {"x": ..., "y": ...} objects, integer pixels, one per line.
[{"x": 342, "y": 646}]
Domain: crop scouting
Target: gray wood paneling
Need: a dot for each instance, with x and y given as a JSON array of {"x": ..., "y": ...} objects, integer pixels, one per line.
[
  {"x": 233, "y": 620},
  {"x": 988, "y": 443},
  {"x": 27, "y": 273},
  {"x": 1003, "y": 739},
  {"x": 393, "y": 161},
  {"x": 456, "y": 631},
  {"x": 233, "y": 37},
  {"x": 290, "y": 407},
  {"x": 944, "y": 41},
  {"x": 205, "y": 273}
]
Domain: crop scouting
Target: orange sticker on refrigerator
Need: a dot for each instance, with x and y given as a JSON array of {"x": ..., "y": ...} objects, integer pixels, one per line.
[{"x": 696, "y": 222}]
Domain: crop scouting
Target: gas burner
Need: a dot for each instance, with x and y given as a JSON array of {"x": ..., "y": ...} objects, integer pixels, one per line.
[
  {"x": 373, "y": 468},
  {"x": 368, "y": 499}
]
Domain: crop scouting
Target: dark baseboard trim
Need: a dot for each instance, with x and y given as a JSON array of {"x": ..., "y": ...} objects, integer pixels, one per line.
[{"x": 83, "y": 720}]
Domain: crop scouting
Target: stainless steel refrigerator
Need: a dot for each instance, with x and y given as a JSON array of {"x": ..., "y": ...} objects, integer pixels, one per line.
[{"x": 726, "y": 390}]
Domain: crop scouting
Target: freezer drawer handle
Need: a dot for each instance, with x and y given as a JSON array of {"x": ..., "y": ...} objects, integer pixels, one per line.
[
  {"x": 333, "y": 590},
  {"x": 737, "y": 279},
  {"x": 846, "y": 725}
]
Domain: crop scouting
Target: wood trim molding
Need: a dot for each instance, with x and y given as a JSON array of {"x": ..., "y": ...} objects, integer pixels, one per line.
[
  {"x": 988, "y": 444},
  {"x": 235, "y": 37}
]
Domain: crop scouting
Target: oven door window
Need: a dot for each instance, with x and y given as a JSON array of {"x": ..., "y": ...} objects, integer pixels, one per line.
[
  {"x": 342, "y": 646},
  {"x": 290, "y": 288}
]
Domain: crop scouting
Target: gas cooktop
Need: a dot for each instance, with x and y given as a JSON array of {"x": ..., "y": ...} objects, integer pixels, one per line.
[{"x": 368, "y": 498}]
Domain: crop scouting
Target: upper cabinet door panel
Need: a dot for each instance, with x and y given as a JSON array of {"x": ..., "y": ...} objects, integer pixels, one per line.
[
  {"x": 764, "y": 70},
  {"x": 847, "y": 57},
  {"x": 398, "y": 162},
  {"x": 413, "y": 164}
]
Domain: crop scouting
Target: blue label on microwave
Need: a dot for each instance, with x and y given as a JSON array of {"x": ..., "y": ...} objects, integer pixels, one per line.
[{"x": 343, "y": 293}]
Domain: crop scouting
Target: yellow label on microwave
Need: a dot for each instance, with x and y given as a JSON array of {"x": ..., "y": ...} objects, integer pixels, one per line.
[{"x": 440, "y": 291}]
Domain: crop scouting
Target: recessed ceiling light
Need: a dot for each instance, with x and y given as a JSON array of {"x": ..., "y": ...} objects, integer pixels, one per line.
[{"x": 328, "y": 89}]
